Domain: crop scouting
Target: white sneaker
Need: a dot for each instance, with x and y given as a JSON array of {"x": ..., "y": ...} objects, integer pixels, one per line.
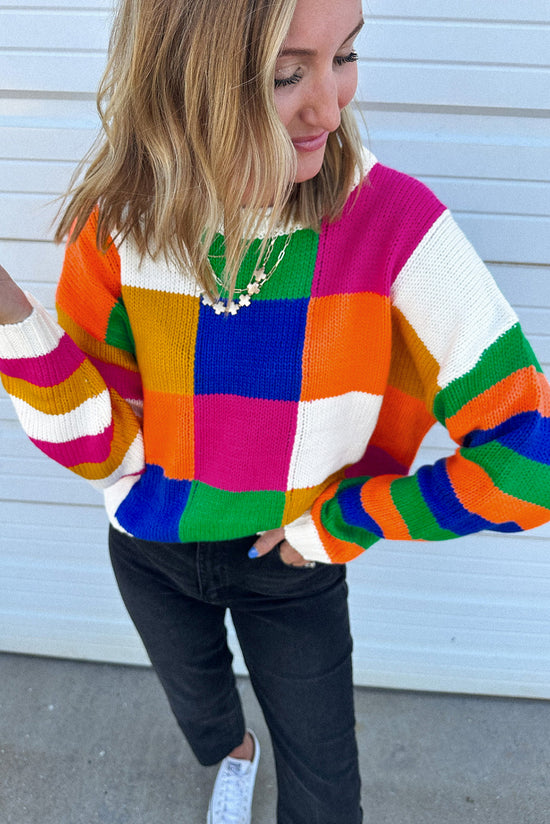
[{"x": 231, "y": 799}]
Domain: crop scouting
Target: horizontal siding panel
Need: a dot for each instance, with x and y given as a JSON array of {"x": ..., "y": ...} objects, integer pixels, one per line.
[
  {"x": 536, "y": 320},
  {"x": 76, "y": 640},
  {"x": 68, "y": 535},
  {"x": 467, "y": 155},
  {"x": 90, "y": 5},
  {"x": 61, "y": 73},
  {"x": 82, "y": 640},
  {"x": 29, "y": 112},
  {"x": 493, "y": 173},
  {"x": 57, "y": 592},
  {"x": 468, "y": 615},
  {"x": 499, "y": 197},
  {"x": 92, "y": 591},
  {"x": 410, "y": 39},
  {"x": 523, "y": 285},
  {"x": 35, "y": 176},
  {"x": 410, "y": 605},
  {"x": 85, "y": 638},
  {"x": 6, "y": 408},
  {"x": 529, "y": 11},
  {"x": 84, "y": 597},
  {"x": 507, "y": 238},
  {"x": 511, "y": 147},
  {"x": 477, "y": 674},
  {"x": 26, "y": 217},
  {"x": 458, "y": 146},
  {"x": 29, "y": 262},
  {"x": 395, "y": 645},
  {"x": 44, "y": 292},
  {"x": 32, "y": 480},
  {"x": 444, "y": 41},
  {"x": 446, "y": 85},
  {"x": 54, "y": 29},
  {"x": 465, "y": 634},
  {"x": 61, "y": 525},
  {"x": 32, "y": 142},
  {"x": 460, "y": 577}
]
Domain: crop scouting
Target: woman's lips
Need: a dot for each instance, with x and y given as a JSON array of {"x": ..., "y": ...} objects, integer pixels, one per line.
[{"x": 310, "y": 144}]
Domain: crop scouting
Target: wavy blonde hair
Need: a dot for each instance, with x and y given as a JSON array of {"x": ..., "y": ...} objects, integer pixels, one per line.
[{"x": 191, "y": 132}]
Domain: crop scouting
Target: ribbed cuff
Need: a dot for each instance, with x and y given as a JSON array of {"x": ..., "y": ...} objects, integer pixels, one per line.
[
  {"x": 36, "y": 335},
  {"x": 303, "y": 536}
]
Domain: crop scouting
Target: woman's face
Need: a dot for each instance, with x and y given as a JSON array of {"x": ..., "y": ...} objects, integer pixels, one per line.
[{"x": 316, "y": 76}]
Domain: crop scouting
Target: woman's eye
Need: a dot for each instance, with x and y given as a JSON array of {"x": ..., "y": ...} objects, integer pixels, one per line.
[
  {"x": 352, "y": 57},
  {"x": 291, "y": 80},
  {"x": 281, "y": 82}
]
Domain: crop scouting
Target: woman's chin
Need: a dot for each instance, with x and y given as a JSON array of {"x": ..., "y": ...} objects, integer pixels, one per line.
[{"x": 309, "y": 165}]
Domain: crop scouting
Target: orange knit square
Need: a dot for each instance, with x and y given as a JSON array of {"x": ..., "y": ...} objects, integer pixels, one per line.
[
  {"x": 169, "y": 434},
  {"x": 401, "y": 426},
  {"x": 339, "y": 356},
  {"x": 85, "y": 267}
]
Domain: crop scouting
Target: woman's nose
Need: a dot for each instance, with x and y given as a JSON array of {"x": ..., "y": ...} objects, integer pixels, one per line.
[{"x": 323, "y": 108}]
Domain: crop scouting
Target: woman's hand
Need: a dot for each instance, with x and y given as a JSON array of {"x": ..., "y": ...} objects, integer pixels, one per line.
[
  {"x": 14, "y": 305},
  {"x": 269, "y": 540}
]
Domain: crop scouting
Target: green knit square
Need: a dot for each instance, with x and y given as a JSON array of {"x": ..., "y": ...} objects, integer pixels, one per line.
[
  {"x": 119, "y": 332},
  {"x": 294, "y": 274},
  {"x": 214, "y": 514}
]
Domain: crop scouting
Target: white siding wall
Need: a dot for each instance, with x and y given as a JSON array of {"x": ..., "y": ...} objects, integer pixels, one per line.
[{"x": 457, "y": 94}]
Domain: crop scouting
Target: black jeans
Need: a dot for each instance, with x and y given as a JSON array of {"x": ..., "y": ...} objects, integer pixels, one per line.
[{"x": 293, "y": 627}]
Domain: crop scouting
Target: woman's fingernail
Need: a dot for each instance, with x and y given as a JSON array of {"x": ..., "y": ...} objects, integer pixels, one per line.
[{"x": 253, "y": 553}]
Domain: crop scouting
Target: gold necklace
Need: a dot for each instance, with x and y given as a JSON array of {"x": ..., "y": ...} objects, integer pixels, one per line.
[{"x": 258, "y": 279}]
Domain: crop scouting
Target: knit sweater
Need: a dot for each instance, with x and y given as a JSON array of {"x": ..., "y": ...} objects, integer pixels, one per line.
[{"x": 306, "y": 408}]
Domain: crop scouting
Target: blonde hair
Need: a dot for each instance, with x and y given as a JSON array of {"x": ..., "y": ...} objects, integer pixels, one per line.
[{"x": 191, "y": 132}]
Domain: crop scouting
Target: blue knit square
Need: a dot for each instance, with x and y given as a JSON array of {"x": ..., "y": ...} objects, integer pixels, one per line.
[{"x": 256, "y": 353}]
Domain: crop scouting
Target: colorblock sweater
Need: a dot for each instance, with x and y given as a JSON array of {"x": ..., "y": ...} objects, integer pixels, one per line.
[{"x": 306, "y": 408}]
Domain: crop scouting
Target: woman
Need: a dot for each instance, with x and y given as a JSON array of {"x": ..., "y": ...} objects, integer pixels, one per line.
[{"x": 252, "y": 408}]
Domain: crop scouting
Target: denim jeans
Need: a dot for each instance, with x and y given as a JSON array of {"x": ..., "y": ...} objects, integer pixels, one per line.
[{"x": 293, "y": 628}]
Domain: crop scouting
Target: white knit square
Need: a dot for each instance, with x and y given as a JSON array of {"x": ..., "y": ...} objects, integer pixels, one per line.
[
  {"x": 158, "y": 275},
  {"x": 331, "y": 433},
  {"x": 451, "y": 300}
]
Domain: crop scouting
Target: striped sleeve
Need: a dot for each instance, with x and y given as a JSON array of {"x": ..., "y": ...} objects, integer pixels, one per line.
[
  {"x": 75, "y": 384},
  {"x": 460, "y": 351}
]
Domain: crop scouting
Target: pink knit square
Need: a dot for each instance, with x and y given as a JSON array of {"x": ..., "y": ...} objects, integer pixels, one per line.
[{"x": 243, "y": 444}]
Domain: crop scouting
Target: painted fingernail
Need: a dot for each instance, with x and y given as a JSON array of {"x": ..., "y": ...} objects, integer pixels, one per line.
[{"x": 253, "y": 553}]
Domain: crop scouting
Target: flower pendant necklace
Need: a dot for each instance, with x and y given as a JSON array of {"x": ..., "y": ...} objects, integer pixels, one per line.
[{"x": 254, "y": 285}]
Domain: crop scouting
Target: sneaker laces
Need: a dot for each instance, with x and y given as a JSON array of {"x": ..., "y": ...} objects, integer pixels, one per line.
[{"x": 234, "y": 791}]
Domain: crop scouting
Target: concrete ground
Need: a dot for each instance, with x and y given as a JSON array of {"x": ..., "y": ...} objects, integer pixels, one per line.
[{"x": 85, "y": 743}]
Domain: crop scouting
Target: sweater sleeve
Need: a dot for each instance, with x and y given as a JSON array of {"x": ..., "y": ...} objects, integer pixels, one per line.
[
  {"x": 458, "y": 349},
  {"x": 75, "y": 384}
]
